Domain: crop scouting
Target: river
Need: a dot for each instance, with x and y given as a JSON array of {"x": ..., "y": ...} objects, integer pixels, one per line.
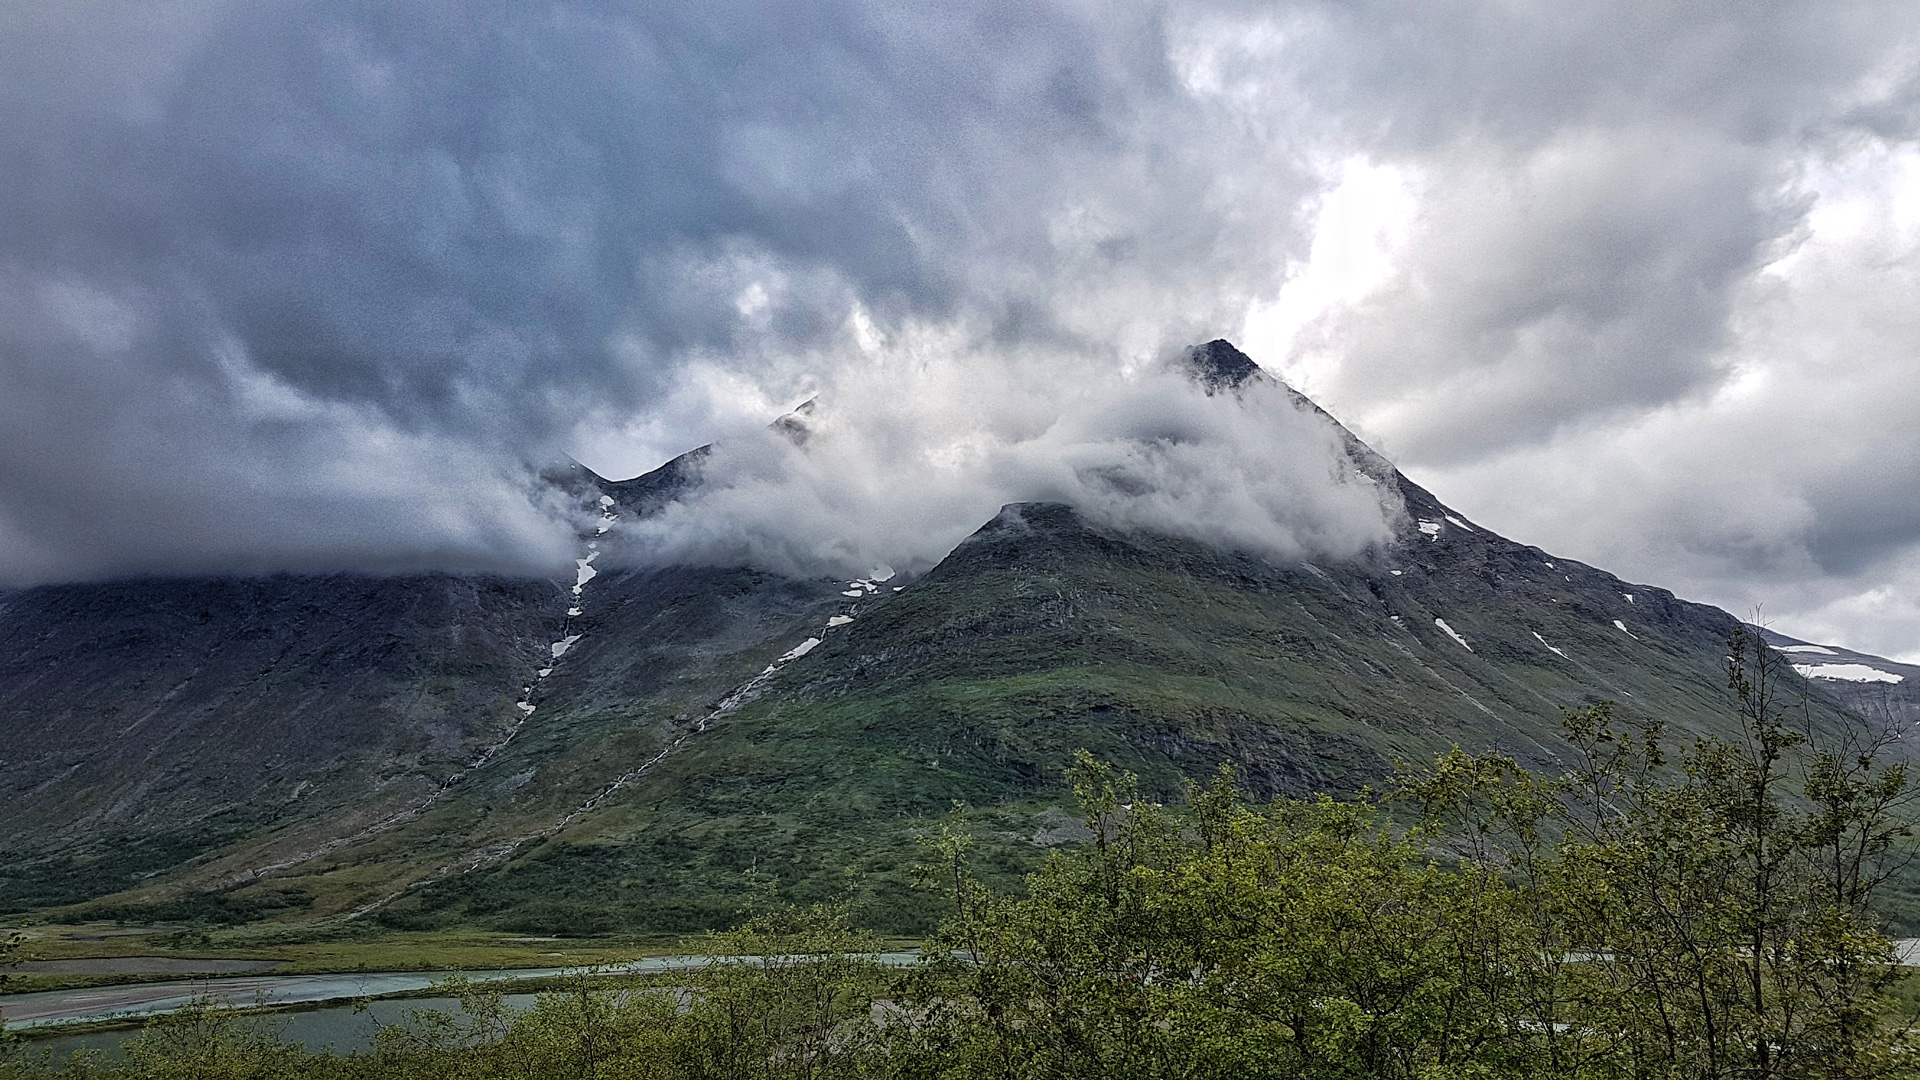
[
  {"x": 133, "y": 1000},
  {"x": 340, "y": 1029}
]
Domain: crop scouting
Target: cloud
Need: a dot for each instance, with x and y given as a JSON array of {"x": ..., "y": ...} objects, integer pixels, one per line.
[
  {"x": 917, "y": 445},
  {"x": 308, "y": 285},
  {"x": 1625, "y": 317},
  {"x": 1592, "y": 277},
  {"x": 1792, "y": 486},
  {"x": 1597, "y": 183},
  {"x": 486, "y": 233}
]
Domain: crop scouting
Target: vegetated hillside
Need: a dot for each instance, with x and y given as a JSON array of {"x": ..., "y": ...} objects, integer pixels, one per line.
[
  {"x": 149, "y": 723},
  {"x": 649, "y": 749}
]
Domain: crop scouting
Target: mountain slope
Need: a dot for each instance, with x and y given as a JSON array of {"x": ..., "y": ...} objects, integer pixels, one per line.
[
  {"x": 213, "y": 733},
  {"x": 152, "y": 722}
]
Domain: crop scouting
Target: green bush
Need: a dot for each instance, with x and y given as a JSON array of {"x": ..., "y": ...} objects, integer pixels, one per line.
[{"x": 207, "y": 908}]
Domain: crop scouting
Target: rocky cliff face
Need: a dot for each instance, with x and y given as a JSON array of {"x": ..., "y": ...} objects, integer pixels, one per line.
[
  {"x": 1884, "y": 692},
  {"x": 641, "y": 748}
]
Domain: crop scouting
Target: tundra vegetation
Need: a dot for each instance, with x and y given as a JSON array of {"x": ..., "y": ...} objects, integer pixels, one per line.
[{"x": 1661, "y": 908}]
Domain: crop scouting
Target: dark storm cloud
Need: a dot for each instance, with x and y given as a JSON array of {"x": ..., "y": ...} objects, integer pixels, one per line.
[
  {"x": 462, "y": 225},
  {"x": 409, "y": 204},
  {"x": 311, "y": 284}
]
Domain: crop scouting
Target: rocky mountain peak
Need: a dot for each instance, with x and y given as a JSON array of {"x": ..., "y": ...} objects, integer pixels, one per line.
[{"x": 1218, "y": 366}]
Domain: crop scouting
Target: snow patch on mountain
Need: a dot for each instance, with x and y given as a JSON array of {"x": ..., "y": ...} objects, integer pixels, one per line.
[
  {"x": 798, "y": 651},
  {"x": 1847, "y": 673}
]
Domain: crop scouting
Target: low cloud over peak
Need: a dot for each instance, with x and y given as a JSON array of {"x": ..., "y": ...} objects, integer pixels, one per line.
[{"x": 900, "y": 462}]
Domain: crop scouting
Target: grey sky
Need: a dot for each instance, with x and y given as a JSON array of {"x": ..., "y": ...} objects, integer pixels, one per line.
[{"x": 309, "y": 285}]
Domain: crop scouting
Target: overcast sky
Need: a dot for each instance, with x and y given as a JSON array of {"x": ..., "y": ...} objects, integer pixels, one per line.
[{"x": 313, "y": 285}]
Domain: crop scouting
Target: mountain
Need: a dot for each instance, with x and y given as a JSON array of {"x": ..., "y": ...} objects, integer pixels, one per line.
[
  {"x": 1883, "y": 691},
  {"x": 647, "y": 749}
]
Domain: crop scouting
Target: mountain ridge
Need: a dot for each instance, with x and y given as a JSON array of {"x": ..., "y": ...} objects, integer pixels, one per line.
[{"x": 680, "y": 733}]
